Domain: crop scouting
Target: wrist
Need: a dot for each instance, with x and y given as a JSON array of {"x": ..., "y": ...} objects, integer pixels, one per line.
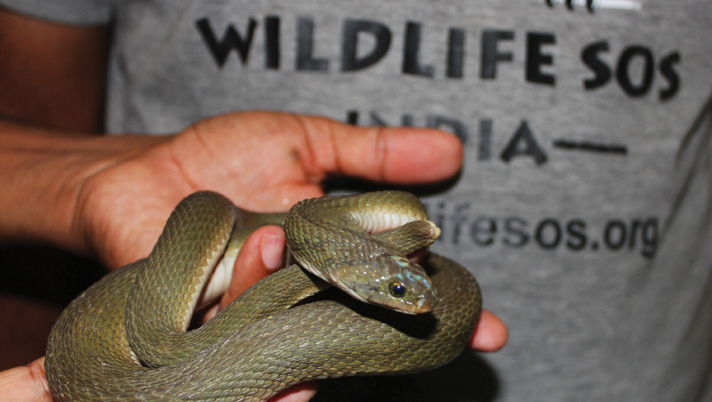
[{"x": 43, "y": 172}]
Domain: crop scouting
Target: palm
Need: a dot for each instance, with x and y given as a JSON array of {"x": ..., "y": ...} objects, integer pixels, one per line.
[
  {"x": 126, "y": 205},
  {"x": 262, "y": 161}
]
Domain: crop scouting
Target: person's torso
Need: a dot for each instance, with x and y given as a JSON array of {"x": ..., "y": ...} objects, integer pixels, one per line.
[{"x": 582, "y": 201}]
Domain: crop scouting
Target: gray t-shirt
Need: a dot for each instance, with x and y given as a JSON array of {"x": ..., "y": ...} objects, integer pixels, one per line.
[{"x": 584, "y": 207}]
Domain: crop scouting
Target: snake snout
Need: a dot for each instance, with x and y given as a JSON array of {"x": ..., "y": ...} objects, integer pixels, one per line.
[{"x": 397, "y": 284}]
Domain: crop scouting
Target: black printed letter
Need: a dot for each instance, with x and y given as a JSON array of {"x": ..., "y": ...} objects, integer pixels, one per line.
[
  {"x": 411, "y": 64},
  {"x": 305, "y": 44},
  {"x": 455, "y": 53},
  {"x": 490, "y": 55},
  {"x": 601, "y": 71},
  {"x": 230, "y": 40},
  {"x": 272, "y": 49},
  {"x": 623, "y": 71},
  {"x": 523, "y": 143},
  {"x": 349, "y": 44},
  {"x": 536, "y": 59},
  {"x": 667, "y": 70}
]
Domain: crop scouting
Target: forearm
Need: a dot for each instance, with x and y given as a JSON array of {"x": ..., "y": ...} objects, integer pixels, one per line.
[
  {"x": 41, "y": 175},
  {"x": 53, "y": 77}
]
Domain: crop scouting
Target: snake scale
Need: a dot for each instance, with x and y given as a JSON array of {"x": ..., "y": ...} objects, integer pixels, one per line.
[{"x": 125, "y": 338}]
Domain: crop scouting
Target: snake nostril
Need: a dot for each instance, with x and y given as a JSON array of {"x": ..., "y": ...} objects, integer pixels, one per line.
[{"x": 397, "y": 289}]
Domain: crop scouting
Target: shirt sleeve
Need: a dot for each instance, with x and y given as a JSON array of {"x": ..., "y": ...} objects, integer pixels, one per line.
[{"x": 74, "y": 12}]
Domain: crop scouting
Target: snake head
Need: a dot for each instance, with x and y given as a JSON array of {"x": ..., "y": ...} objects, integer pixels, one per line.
[{"x": 393, "y": 282}]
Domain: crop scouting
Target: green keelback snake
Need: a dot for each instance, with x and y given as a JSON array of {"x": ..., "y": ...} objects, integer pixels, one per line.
[{"x": 125, "y": 339}]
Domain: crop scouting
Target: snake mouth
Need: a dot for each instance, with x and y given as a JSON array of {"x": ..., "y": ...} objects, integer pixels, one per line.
[
  {"x": 389, "y": 281},
  {"x": 421, "y": 305}
]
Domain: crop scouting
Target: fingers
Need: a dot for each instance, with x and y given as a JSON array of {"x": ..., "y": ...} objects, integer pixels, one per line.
[
  {"x": 28, "y": 384},
  {"x": 398, "y": 155},
  {"x": 490, "y": 335},
  {"x": 265, "y": 160},
  {"x": 261, "y": 255},
  {"x": 299, "y": 393},
  {"x": 25, "y": 384},
  {"x": 262, "y": 161}
]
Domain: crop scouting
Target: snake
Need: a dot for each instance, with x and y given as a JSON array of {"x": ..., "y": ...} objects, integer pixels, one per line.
[{"x": 354, "y": 304}]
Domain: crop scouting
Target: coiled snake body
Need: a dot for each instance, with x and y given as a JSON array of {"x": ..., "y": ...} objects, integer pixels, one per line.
[{"x": 125, "y": 339}]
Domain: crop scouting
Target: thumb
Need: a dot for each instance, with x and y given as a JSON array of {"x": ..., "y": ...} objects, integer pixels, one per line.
[
  {"x": 390, "y": 154},
  {"x": 26, "y": 383},
  {"x": 261, "y": 255}
]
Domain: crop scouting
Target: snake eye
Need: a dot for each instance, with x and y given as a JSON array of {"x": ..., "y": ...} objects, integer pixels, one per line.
[{"x": 397, "y": 289}]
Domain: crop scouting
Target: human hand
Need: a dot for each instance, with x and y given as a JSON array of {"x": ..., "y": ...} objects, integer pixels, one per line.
[
  {"x": 261, "y": 161},
  {"x": 261, "y": 255}
]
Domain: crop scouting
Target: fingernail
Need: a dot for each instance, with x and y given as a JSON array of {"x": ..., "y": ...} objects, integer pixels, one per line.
[{"x": 272, "y": 249}]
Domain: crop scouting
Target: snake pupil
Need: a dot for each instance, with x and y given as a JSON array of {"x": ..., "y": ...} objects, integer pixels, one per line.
[{"x": 397, "y": 289}]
